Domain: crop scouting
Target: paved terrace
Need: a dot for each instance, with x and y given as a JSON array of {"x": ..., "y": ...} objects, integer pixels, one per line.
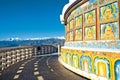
[{"x": 26, "y": 67}]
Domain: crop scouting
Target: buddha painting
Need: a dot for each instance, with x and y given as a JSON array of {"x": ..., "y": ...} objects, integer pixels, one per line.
[
  {"x": 79, "y": 22},
  {"x": 109, "y": 31},
  {"x": 109, "y": 12},
  {"x": 71, "y": 24},
  {"x": 90, "y": 33},
  {"x": 78, "y": 35},
  {"x": 71, "y": 36},
  {"x": 90, "y": 17}
]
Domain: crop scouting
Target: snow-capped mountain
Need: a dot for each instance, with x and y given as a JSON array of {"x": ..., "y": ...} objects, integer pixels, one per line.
[{"x": 12, "y": 42}]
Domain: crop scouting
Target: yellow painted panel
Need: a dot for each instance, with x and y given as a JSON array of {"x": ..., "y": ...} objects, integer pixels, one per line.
[{"x": 102, "y": 71}]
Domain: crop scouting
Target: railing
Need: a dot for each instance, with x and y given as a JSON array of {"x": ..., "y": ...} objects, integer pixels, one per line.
[
  {"x": 45, "y": 49},
  {"x": 10, "y": 56}
]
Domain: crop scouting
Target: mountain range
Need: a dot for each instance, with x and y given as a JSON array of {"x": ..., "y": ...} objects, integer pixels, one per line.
[{"x": 32, "y": 42}]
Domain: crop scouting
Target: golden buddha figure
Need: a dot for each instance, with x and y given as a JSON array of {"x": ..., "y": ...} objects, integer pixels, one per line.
[
  {"x": 79, "y": 22},
  {"x": 90, "y": 34},
  {"x": 71, "y": 24},
  {"x": 71, "y": 36},
  {"x": 108, "y": 12},
  {"x": 78, "y": 35},
  {"x": 109, "y": 34},
  {"x": 89, "y": 19}
]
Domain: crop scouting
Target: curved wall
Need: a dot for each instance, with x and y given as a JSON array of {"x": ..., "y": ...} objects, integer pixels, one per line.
[{"x": 92, "y": 47}]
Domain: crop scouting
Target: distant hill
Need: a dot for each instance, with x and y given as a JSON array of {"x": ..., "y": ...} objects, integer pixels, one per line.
[{"x": 14, "y": 43}]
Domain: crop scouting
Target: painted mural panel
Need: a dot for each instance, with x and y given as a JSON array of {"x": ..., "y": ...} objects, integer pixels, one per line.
[
  {"x": 79, "y": 22},
  {"x": 90, "y": 33},
  {"x": 71, "y": 36},
  {"x": 85, "y": 63},
  {"x": 68, "y": 59},
  {"x": 86, "y": 66},
  {"x": 109, "y": 11},
  {"x": 117, "y": 70},
  {"x": 78, "y": 34},
  {"x": 75, "y": 61},
  {"x": 71, "y": 24},
  {"x": 102, "y": 71},
  {"x": 110, "y": 31},
  {"x": 102, "y": 67},
  {"x": 64, "y": 57},
  {"x": 90, "y": 17}
]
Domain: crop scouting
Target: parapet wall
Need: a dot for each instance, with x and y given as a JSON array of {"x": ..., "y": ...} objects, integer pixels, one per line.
[{"x": 10, "y": 56}]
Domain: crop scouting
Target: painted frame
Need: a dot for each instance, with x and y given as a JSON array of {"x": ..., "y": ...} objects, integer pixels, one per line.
[
  {"x": 90, "y": 17},
  {"x": 78, "y": 35},
  {"x": 71, "y": 36},
  {"x": 71, "y": 24},
  {"x": 109, "y": 11},
  {"x": 110, "y": 31},
  {"x": 83, "y": 64},
  {"x": 90, "y": 33},
  {"x": 79, "y": 22}
]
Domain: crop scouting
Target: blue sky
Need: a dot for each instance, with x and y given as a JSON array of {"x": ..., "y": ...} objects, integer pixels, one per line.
[{"x": 31, "y": 18}]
